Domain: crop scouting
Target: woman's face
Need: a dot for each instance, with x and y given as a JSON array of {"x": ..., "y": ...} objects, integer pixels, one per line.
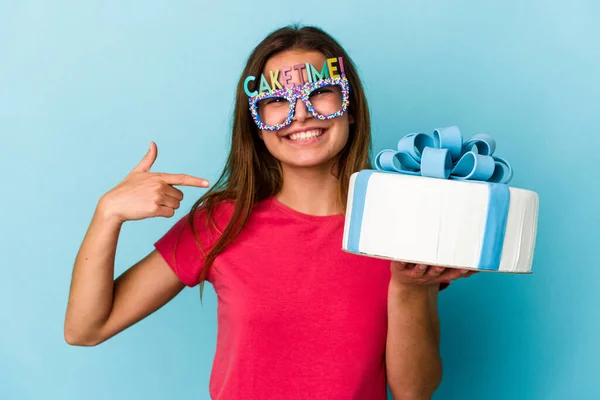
[{"x": 307, "y": 141}]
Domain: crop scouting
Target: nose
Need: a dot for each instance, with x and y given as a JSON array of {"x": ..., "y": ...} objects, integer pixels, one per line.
[{"x": 301, "y": 113}]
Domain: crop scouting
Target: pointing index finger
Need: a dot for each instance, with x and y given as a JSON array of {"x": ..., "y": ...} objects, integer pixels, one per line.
[{"x": 183, "y": 180}]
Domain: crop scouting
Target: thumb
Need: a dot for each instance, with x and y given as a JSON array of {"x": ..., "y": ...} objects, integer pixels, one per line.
[{"x": 148, "y": 160}]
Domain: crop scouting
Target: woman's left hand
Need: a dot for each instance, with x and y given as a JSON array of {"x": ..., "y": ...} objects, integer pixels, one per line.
[{"x": 421, "y": 274}]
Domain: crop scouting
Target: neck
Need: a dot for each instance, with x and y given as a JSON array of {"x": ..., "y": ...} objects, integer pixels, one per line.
[{"x": 311, "y": 191}]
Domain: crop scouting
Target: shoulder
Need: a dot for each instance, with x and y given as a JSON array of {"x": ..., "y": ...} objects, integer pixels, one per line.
[
  {"x": 185, "y": 245},
  {"x": 210, "y": 220},
  {"x": 218, "y": 211},
  {"x": 204, "y": 222}
]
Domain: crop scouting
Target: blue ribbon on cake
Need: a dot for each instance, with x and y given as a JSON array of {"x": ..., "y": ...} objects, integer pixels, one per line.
[{"x": 445, "y": 155}]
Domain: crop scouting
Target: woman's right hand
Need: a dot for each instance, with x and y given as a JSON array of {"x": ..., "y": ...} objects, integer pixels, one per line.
[{"x": 144, "y": 194}]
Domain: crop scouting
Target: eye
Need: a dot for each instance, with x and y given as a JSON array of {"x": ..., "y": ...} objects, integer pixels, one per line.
[
  {"x": 322, "y": 90},
  {"x": 274, "y": 100}
]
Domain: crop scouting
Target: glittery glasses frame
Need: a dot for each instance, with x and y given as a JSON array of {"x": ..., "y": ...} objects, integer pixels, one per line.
[{"x": 292, "y": 94}]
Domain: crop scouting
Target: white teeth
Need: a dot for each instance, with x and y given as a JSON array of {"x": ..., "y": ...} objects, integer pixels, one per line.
[{"x": 306, "y": 134}]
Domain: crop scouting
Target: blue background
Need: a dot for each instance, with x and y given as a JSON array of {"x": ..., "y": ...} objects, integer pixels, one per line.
[{"x": 85, "y": 86}]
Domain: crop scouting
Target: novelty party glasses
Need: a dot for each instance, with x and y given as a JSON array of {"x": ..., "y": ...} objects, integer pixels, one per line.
[{"x": 325, "y": 99}]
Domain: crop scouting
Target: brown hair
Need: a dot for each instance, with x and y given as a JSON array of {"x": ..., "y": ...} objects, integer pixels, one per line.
[{"x": 251, "y": 173}]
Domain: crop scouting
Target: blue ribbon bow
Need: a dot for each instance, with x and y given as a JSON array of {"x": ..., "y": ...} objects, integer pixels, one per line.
[{"x": 445, "y": 156}]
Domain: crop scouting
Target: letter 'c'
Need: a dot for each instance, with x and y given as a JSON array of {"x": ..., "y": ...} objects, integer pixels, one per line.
[{"x": 248, "y": 79}]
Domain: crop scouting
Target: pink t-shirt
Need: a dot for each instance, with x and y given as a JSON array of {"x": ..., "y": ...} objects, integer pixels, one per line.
[{"x": 298, "y": 317}]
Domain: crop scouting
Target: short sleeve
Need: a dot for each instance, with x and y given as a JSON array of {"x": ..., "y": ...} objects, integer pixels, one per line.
[{"x": 185, "y": 250}]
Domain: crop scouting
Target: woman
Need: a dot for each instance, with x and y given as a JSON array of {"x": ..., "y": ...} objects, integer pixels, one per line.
[{"x": 298, "y": 317}]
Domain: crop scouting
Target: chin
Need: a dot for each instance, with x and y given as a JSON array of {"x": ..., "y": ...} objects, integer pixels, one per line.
[{"x": 308, "y": 162}]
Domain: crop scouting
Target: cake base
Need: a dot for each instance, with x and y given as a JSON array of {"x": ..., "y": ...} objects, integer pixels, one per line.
[{"x": 529, "y": 272}]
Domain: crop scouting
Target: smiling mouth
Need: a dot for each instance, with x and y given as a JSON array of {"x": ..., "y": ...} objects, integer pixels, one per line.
[{"x": 306, "y": 135}]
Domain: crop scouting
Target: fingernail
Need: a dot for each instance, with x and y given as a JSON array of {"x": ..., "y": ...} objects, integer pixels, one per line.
[{"x": 422, "y": 267}]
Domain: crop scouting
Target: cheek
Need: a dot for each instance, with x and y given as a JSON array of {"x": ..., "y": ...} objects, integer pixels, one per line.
[
  {"x": 264, "y": 136},
  {"x": 342, "y": 133},
  {"x": 270, "y": 140}
]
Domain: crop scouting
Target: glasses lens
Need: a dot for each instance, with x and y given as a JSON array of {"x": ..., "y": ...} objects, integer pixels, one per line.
[
  {"x": 273, "y": 110},
  {"x": 327, "y": 100}
]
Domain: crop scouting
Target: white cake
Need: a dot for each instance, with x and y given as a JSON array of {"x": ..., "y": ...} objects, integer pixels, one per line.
[{"x": 460, "y": 224}]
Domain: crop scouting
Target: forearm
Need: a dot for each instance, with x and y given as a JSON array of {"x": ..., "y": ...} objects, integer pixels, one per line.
[
  {"x": 91, "y": 293},
  {"x": 413, "y": 362}
]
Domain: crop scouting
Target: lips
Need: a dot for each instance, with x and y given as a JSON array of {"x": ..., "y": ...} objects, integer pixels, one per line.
[{"x": 305, "y": 134}]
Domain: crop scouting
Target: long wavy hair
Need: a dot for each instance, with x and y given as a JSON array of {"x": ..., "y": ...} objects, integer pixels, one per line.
[{"x": 251, "y": 173}]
